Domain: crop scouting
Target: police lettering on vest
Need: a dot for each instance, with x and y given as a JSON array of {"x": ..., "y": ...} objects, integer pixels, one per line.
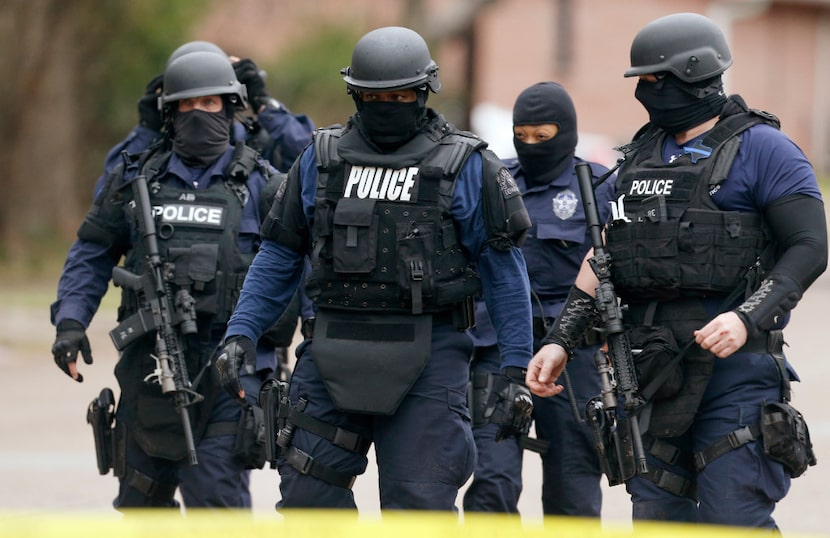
[
  {"x": 651, "y": 186},
  {"x": 380, "y": 183},
  {"x": 197, "y": 215}
]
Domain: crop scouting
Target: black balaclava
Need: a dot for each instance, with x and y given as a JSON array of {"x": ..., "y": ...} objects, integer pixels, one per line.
[
  {"x": 542, "y": 103},
  {"x": 677, "y": 106},
  {"x": 200, "y": 137},
  {"x": 391, "y": 125}
]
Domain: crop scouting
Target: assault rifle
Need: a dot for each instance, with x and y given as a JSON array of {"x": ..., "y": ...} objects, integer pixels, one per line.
[
  {"x": 170, "y": 316},
  {"x": 619, "y": 381}
]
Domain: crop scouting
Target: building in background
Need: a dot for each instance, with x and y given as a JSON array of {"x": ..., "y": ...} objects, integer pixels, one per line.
[{"x": 489, "y": 50}]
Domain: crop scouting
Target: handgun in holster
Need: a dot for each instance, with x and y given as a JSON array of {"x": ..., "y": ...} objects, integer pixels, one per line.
[
  {"x": 273, "y": 399},
  {"x": 100, "y": 415}
]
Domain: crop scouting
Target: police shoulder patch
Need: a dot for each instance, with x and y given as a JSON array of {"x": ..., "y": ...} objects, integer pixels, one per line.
[{"x": 507, "y": 184}]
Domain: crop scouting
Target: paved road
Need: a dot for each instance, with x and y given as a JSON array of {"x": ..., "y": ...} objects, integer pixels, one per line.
[{"x": 46, "y": 451}]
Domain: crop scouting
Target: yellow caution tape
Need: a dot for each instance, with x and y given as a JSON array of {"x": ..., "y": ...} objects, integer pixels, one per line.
[{"x": 341, "y": 524}]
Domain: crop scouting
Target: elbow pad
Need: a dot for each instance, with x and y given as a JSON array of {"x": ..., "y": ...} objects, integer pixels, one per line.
[
  {"x": 579, "y": 314},
  {"x": 505, "y": 216},
  {"x": 285, "y": 222}
]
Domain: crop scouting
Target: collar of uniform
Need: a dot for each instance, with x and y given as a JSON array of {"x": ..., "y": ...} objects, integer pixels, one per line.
[
  {"x": 564, "y": 180},
  {"x": 200, "y": 178},
  {"x": 353, "y": 148}
]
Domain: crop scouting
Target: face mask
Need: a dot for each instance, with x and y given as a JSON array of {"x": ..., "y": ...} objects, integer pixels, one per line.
[
  {"x": 546, "y": 102},
  {"x": 545, "y": 161},
  {"x": 200, "y": 137},
  {"x": 672, "y": 106},
  {"x": 390, "y": 124}
]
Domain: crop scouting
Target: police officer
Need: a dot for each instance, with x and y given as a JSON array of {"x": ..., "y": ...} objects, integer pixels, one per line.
[
  {"x": 714, "y": 202},
  {"x": 394, "y": 209},
  {"x": 276, "y": 132},
  {"x": 194, "y": 171},
  {"x": 545, "y": 138}
]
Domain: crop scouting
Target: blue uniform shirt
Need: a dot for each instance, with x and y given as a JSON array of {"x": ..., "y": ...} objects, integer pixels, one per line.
[
  {"x": 556, "y": 244},
  {"x": 768, "y": 166},
  {"x": 275, "y": 272}
]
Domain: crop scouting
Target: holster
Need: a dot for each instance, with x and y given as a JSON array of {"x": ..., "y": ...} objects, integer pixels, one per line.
[
  {"x": 273, "y": 399},
  {"x": 786, "y": 437},
  {"x": 783, "y": 428},
  {"x": 100, "y": 415},
  {"x": 612, "y": 438}
]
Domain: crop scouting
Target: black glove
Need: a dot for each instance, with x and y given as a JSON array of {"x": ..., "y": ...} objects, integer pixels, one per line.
[
  {"x": 149, "y": 115},
  {"x": 515, "y": 402},
  {"x": 248, "y": 74},
  {"x": 69, "y": 340},
  {"x": 239, "y": 351}
]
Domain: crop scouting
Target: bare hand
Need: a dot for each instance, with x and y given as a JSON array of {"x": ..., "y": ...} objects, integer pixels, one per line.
[
  {"x": 544, "y": 370},
  {"x": 722, "y": 336}
]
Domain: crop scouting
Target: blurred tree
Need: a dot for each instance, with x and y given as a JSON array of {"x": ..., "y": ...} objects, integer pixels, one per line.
[
  {"x": 71, "y": 73},
  {"x": 307, "y": 74}
]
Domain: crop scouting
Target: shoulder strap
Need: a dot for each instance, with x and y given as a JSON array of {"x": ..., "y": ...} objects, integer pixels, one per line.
[
  {"x": 461, "y": 145},
  {"x": 725, "y": 136},
  {"x": 452, "y": 153},
  {"x": 325, "y": 146},
  {"x": 154, "y": 161},
  {"x": 245, "y": 159}
]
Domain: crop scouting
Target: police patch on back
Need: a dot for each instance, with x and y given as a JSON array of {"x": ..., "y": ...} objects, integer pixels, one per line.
[{"x": 382, "y": 183}]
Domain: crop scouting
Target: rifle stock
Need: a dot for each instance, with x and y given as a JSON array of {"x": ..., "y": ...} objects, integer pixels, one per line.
[
  {"x": 621, "y": 376},
  {"x": 170, "y": 316}
]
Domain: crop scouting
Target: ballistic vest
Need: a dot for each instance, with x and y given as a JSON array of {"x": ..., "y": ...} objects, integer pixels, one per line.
[
  {"x": 197, "y": 232},
  {"x": 668, "y": 239},
  {"x": 385, "y": 239}
]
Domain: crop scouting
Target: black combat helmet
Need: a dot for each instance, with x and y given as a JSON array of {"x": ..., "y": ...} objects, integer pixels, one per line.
[
  {"x": 391, "y": 58},
  {"x": 688, "y": 45},
  {"x": 201, "y": 73},
  {"x": 195, "y": 46}
]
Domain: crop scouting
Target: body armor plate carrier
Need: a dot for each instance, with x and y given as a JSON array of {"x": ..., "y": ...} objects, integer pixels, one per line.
[{"x": 670, "y": 239}]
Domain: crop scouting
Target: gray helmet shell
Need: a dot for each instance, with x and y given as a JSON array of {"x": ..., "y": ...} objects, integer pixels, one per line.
[
  {"x": 391, "y": 58},
  {"x": 688, "y": 45},
  {"x": 201, "y": 73},
  {"x": 194, "y": 46}
]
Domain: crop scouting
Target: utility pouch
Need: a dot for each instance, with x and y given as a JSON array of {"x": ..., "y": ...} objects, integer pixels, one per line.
[
  {"x": 786, "y": 437},
  {"x": 100, "y": 415},
  {"x": 654, "y": 349},
  {"x": 250, "y": 443}
]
